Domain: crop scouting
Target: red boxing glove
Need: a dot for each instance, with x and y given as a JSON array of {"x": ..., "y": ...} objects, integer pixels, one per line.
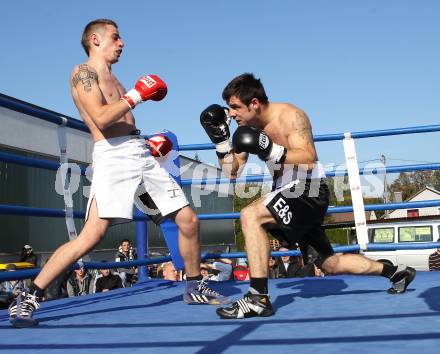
[
  {"x": 148, "y": 87},
  {"x": 160, "y": 145}
]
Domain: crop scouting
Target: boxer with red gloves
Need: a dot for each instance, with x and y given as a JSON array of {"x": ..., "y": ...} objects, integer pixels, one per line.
[
  {"x": 293, "y": 212},
  {"x": 124, "y": 172}
]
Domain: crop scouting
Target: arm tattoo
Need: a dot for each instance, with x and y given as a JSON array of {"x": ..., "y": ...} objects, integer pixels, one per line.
[
  {"x": 302, "y": 126},
  {"x": 86, "y": 76}
]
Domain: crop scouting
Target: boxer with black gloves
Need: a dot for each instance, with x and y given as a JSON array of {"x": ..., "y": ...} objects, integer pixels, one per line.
[{"x": 281, "y": 135}]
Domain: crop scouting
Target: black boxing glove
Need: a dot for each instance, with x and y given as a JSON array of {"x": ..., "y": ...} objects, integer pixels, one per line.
[
  {"x": 254, "y": 141},
  {"x": 215, "y": 121}
]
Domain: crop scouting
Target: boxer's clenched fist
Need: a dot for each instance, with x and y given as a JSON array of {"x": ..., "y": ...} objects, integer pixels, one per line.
[
  {"x": 160, "y": 145},
  {"x": 255, "y": 141},
  {"x": 148, "y": 87},
  {"x": 214, "y": 119}
]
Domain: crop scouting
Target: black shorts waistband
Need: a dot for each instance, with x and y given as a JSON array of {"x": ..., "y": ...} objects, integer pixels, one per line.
[{"x": 306, "y": 182}]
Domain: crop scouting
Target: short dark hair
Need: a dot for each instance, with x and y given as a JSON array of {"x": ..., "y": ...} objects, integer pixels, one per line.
[
  {"x": 91, "y": 27},
  {"x": 245, "y": 87},
  {"x": 125, "y": 240}
]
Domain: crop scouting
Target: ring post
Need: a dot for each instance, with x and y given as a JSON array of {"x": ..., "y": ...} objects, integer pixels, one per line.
[
  {"x": 142, "y": 245},
  {"x": 169, "y": 228}
]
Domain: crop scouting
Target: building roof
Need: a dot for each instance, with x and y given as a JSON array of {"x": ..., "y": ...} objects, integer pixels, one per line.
[
  {"x": 421, "y": 191},
  {"x": 349, "y": 217}
]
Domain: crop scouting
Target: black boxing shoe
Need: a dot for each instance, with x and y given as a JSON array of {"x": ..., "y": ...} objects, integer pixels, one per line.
[
  {"x": 401, "y": 279},
  {"x": 252, "y": 305}
]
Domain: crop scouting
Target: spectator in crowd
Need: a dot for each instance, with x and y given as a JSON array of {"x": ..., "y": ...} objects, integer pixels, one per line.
[
  {"x": 273, "y": 268},
  {"x": 204, "y": 270},
  {"x": 286, "y": 265},
  {"x": 80, "y": 282},
  {"x": 107, "y": 281},
  {"x": 153, "y": 271},
  {"x": 242, "y": 261},
  {"x": 169, "y": 272},
  {"x": 127, "y": 253},
  {"x": 28, "y": 255},
  {"x": 9, "y": 288},
  {"x": 309, "y": 254},
  {"x": 274, "y": 245},
  {"x": 57, "y": 289},
  {"x": 292, "y": 267},
  {"x": 219, "y": 270},
  {"x": 434, "y": 259}
]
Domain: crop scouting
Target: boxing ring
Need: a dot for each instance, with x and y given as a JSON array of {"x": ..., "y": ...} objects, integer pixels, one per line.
[{"x": 331, "y": 314}]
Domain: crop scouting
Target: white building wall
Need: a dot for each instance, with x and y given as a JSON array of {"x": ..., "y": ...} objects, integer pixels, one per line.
[
  {"x": 427, "y": 194},
  {"x": 28, "y": 133}
]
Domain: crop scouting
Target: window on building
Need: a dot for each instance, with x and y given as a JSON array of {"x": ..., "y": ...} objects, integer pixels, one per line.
[
  {"x": 412, "y": 213},
  {"x": 381, "y": 235},
  {"x": 415, "y": 234}
]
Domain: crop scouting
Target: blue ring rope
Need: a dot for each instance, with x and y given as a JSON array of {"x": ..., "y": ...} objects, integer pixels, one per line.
[
  {"x": 46, "y": 212},
  {"x": 57, "y": 118},
  {"x": 54, "y": 166},
  {"x": 31, "y": 273},
  {"x": 341, "y": 136}
]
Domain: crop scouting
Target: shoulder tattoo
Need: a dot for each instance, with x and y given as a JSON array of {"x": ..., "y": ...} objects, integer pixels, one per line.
[
  {"x": 302, "y": 125},
  {"x": 86, "y": 76}
]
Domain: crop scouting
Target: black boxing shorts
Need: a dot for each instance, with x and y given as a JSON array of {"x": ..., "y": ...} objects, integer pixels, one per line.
[{"x": 299, "y": 208}]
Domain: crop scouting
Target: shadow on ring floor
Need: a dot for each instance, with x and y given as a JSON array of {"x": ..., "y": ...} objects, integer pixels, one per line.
[{"x": 314, "y": 315}]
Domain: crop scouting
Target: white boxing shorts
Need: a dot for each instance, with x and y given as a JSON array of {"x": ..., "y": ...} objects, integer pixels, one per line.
[{"x": 124, "y": 174}]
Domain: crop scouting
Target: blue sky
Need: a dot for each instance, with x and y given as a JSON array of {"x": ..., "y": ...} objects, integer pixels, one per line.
[{"x": 351, "y": 65}]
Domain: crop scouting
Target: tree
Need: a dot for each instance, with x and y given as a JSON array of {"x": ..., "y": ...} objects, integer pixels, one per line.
[
  {"x": 436, "y": 182},
  {"x": 409, "y": 183}
]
